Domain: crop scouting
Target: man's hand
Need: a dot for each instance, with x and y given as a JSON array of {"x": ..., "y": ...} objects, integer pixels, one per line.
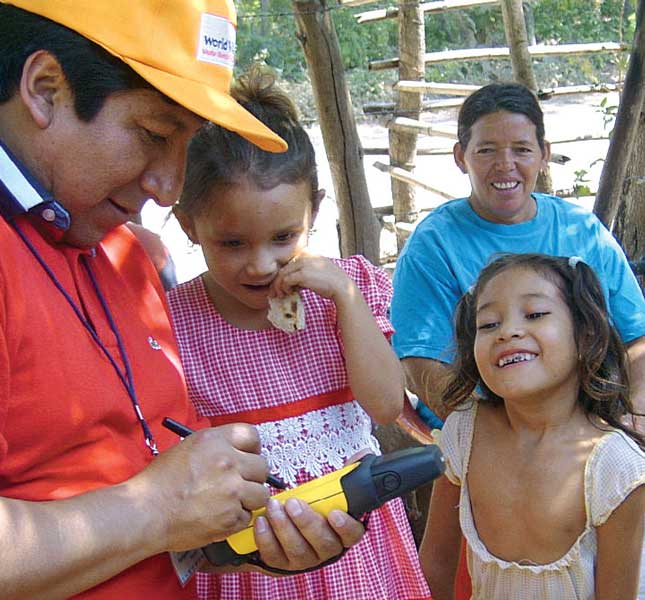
[
  {"x": 294, "y": 537},
  {"x": 204, "y": 489}
]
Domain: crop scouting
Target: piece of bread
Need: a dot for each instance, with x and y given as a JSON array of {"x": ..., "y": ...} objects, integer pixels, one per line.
[{"x": 287, "y": 313}]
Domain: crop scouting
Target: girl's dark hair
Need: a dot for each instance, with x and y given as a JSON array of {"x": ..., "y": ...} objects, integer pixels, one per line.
[
  {"x": 511, "y": 97},
  {"x": 602, "y": 358},
  {"x": 219, "y": 158},
  {"x": 92, "y": 72}
]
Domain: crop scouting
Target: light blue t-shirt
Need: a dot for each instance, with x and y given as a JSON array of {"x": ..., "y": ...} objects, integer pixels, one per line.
[{"x": 443, "y": 257}]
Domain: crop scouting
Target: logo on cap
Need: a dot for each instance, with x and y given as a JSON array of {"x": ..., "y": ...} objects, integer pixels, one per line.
[{"x": 216, "y": 41}]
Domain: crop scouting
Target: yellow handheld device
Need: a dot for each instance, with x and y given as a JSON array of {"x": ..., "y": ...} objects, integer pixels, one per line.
[{"x": 356, "y": 489}]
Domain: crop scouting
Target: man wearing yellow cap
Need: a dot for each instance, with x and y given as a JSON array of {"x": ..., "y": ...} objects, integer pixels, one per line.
[{"x": 98, "y": 101}]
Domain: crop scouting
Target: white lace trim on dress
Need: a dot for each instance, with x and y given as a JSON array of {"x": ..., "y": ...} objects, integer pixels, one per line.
[{"x": 318, "y": 439}]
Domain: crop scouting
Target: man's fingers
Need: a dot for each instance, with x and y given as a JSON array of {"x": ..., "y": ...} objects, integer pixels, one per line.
[
  {"x": 242, "y": 436},
  {"x": 295, "y": 537},
  {"x": 240, "y": 453},
  {"x": 268, "y": 544},
  {"x": 253, "y": 496},
  {"x": 349, "y": 530},
  {"x": 358, "y": 455},
  {"x": 321, "y": 538},
  {"x": 290, "y": 547}
]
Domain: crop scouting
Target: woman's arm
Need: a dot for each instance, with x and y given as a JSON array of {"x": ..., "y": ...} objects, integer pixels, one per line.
[
  {"x": 620, "y": 544},
  {"x": 441, "y": 544},
  {"x": 427, "y": 378},
  {"x": 636, "y": 353}
]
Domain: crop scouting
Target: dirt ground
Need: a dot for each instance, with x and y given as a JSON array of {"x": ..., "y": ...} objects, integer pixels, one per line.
[{"x": 565, "y": 117}]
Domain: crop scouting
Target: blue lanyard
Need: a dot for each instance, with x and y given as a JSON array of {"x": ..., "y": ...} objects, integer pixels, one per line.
[
  {"x": 25, "y": 194},
  {"x": 126, "y": 377}
]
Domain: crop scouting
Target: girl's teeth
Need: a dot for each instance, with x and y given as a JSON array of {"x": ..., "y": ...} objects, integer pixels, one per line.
[{"x": 514, "y": 358}]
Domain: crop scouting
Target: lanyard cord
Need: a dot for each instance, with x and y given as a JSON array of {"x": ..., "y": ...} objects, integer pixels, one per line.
[{"x": 126, "y": 379}]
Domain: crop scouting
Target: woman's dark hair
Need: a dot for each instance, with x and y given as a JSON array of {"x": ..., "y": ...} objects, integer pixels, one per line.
[
  {"x": 602, "y": 358},
  {"x": 218, "y": 158},
  {"x": 511, "y": 97},
  {"x": 92, "y": 72}
]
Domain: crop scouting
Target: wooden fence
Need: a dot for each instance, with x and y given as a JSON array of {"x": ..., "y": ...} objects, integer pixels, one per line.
[{"x": 406, "y": 124}]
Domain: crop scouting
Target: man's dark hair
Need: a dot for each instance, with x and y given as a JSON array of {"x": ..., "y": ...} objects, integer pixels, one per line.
[
  {"x": 92, "y": 72},
  {"x": 511, "y": 97}
]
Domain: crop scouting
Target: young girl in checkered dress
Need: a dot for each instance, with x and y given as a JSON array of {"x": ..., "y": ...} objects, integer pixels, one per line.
[{"x": 313, "y": 393}]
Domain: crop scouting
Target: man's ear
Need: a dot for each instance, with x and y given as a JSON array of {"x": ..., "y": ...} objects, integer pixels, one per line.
[
  {"x": 458, "y": 154},
  {"x": 41, "y": 84},
  {"x": 186, "y": 224}
]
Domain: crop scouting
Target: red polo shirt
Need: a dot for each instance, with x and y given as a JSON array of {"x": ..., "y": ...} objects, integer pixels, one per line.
[{"x": 67, "y": 425}]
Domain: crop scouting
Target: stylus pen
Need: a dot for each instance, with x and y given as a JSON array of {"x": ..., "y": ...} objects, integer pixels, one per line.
[{"x": 184, "y": 431}]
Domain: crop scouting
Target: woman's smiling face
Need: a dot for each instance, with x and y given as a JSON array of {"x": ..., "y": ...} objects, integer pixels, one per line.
[{"x": 502, "y": 160}]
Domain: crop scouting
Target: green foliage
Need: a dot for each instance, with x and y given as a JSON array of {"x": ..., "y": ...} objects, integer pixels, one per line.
[
  {"x": 370, "y": 86},
  {"x": 466, "y": 28},
  {"x": 608, "y": 112},
  {"x": 578, "y": 21},
  {"x": 269, "y": 35},
  {"x": 270, "y": 38},
  {"x": 360, "y": 44},
  {"x": 581, "y": 183}
]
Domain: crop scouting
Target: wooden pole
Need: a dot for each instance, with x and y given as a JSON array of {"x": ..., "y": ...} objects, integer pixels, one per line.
[
  {"x": 391, "y": 107},
  {"x": 517, "y": 40},
  {"x": 264, "y": 20},
  {"x": 403, "y": 144},
  {"x": 405, "y": 124},
  {"x": 430, "y": 7},
  {"x": 430, "y": 87},
  {"x": 403, "y": 175},
  {"x": 629, "y": 224},
  {"x": 359, "y": 228},
  {"x": 518, "y": 44},
  {"x": 560, "y": 159},
  {"x": 453, "y": 89},
  {"x": 431, "y": 105},
  {"x": 501, "y": 53},
  {"x": 612, "y": 177}
]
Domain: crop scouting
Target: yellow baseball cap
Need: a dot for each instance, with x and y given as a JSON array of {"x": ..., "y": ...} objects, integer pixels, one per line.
[{"x": 184, "y": 48}]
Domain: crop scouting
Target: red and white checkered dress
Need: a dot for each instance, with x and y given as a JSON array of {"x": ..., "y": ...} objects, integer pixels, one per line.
[{"x": 294, "y": 388}]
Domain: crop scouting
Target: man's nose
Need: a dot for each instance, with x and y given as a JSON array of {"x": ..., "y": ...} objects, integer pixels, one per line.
[{"x": 163, "y": 178}]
